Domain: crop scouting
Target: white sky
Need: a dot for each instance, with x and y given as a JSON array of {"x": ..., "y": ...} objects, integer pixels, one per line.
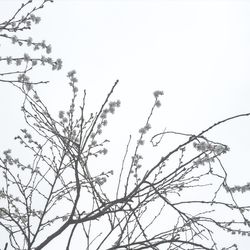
[{"x": 197, "y": 52}]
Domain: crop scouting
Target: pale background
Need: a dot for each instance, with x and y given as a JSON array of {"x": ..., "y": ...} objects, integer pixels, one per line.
[{"x": 197, "y": 52}]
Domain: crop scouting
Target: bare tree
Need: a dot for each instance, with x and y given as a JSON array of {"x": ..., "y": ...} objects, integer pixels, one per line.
[{"x": 59, "y": 191}]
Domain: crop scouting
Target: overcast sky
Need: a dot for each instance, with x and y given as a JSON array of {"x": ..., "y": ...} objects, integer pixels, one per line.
[{"x": 197, "y": 52}]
